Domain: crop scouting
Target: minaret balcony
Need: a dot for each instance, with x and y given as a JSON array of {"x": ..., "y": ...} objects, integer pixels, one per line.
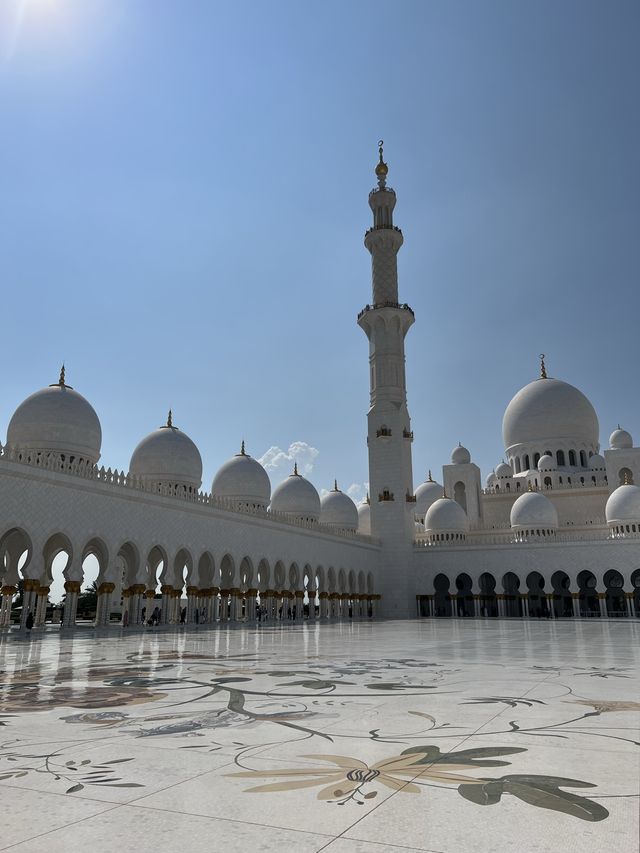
[
  {"x": 407, "y": 434},
  {"x": 385, "y": 495},
  {"x": 383, "y": 432},
  {"x": 382, "y": 228},
  {"x": 398, "y": 305}
]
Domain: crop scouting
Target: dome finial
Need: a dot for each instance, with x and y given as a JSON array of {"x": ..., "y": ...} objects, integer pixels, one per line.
[
  {"x": 543, "y": 368},
  {"x": 444, "y": 493},
  {"x": 335, "y": 486},
  {"x": 368, "y": 498},
  {"x": 530, "y": 487},
  {"x": 381, "y": 168},
  {"x": 429, "y": 478},
  {"x": 626, "y": 478},
  {"x": 295, "y": 469},
  {"x": 242, "y": 453},
  {"x": 61, "y": 379},
  {"x": 170, "y": 419}
]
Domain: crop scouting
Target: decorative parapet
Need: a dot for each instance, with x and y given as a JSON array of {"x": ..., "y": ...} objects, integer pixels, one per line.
[
  {"x": 595, "y": 533},
  {"x": 60, "y": 463}
]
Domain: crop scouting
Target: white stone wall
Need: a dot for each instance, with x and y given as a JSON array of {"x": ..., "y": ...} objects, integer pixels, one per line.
[{"x": 51, "y": 507}]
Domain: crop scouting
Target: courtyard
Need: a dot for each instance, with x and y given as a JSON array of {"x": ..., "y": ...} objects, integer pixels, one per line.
[{"x": 439, "y": 736}]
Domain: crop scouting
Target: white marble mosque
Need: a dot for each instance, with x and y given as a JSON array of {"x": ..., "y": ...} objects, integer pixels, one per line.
[
  {"x": 554, "y": 530},
  {"x": 461, "y": 675}
]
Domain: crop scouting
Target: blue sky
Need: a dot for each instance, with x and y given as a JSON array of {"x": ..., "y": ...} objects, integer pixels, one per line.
[{"x": 184, "y": 197}]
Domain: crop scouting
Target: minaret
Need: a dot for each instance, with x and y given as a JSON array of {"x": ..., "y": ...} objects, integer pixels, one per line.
[{"x": 385, "y": 323}]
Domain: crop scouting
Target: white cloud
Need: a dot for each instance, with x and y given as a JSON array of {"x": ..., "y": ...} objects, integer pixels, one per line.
[
  {"x": 279, "y": 463},
  {"x": 357, "y": 491}
]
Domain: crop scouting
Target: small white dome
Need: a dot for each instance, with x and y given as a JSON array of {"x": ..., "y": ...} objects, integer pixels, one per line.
[
  {"x": 296, "y": 497},
  {"x": 168, "y": 456},
  {"x": 426, "y": 494},
  {"x": 243, "y": 480},
  {"x": 548, "y": 410},
  {"x": 620, "y": 439},
  {"x": 490, "y": 480},
  {"x": 56, "y": 419},
  {"x": 502, "y": 471},
  {"x": 623, "y": 506},
  {"x": 596, "y": 462},
  {"x": 364, "y": 517},
  {"x": 460, "y": 455},
  {"x": 546, "y": 463},
  {"x": 446, "y": 516},
  {"x": 338, "y": 510},
  {"x": 533, "y": 511}
]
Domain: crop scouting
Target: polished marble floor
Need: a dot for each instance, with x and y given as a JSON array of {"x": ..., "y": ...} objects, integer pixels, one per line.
[{"x": 436, "y": 736}]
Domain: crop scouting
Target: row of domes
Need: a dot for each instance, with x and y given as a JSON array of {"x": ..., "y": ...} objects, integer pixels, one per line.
[{"x": 59, "y": 419}]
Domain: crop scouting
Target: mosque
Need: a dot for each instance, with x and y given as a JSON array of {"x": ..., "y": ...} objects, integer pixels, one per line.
[{"x": 554, "y": 531}]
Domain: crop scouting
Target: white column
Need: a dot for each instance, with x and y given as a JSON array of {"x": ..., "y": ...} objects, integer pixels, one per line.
[
  {"x": 630, "y": 603},
  {"x": 575, "y": 600},
  {"x": 454, "y": 606},
  {"x": 312, "y": 604},
  {"x": 8, "y": 592},
  {"x": 602, "y": 600},
  {"x": 551, "y": 605},
  {"x": 72, "y": 588}
]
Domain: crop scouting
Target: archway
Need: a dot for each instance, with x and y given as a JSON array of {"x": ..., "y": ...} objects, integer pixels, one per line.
[
  {"x": 562, "y": 599},
  {"x": 441, "y": 600},
  {"x": 16, "y": 551},
  {"x": 512, "y": 605},
  {"x": 615, "y": 600},
  {"x": 488, "y": 598},
  {"x": 589, "y": 605},
  {"x": 464, "y": 601},
  {"x": 535, "y": 594},
  {"x": 635, "y": 586}
]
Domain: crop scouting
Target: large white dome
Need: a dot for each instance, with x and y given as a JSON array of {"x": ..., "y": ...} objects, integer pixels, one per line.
[
  {"x": 446, "y": 516},
  {"x": 243, "y": 480},
  {"x": 296, "y": 497},
  {"x": 623, "y": 506},
  {"x": 426, "y": 494},
  {"x": 338, "y": 510},
  {"x": 56, "y": 419},
  {"x": 168, "y": 456},
  {"x": 548, "y": 410},
  {"x": 533, "y": 511}
]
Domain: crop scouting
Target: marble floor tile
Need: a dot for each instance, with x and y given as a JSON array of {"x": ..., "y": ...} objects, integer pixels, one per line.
[
  {"x": 33, "y": 813},
  {"x": 440, "y": 736},
  {"x": 147, "y": 831}
]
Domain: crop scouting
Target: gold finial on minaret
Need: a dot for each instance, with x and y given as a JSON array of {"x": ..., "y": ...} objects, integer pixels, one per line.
[
  {"x": 543, "y": 369},
  {"x": 381, "y": 167},
  {"x": 295, "y": 469},
  {"x": 170, "y": 419}
]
